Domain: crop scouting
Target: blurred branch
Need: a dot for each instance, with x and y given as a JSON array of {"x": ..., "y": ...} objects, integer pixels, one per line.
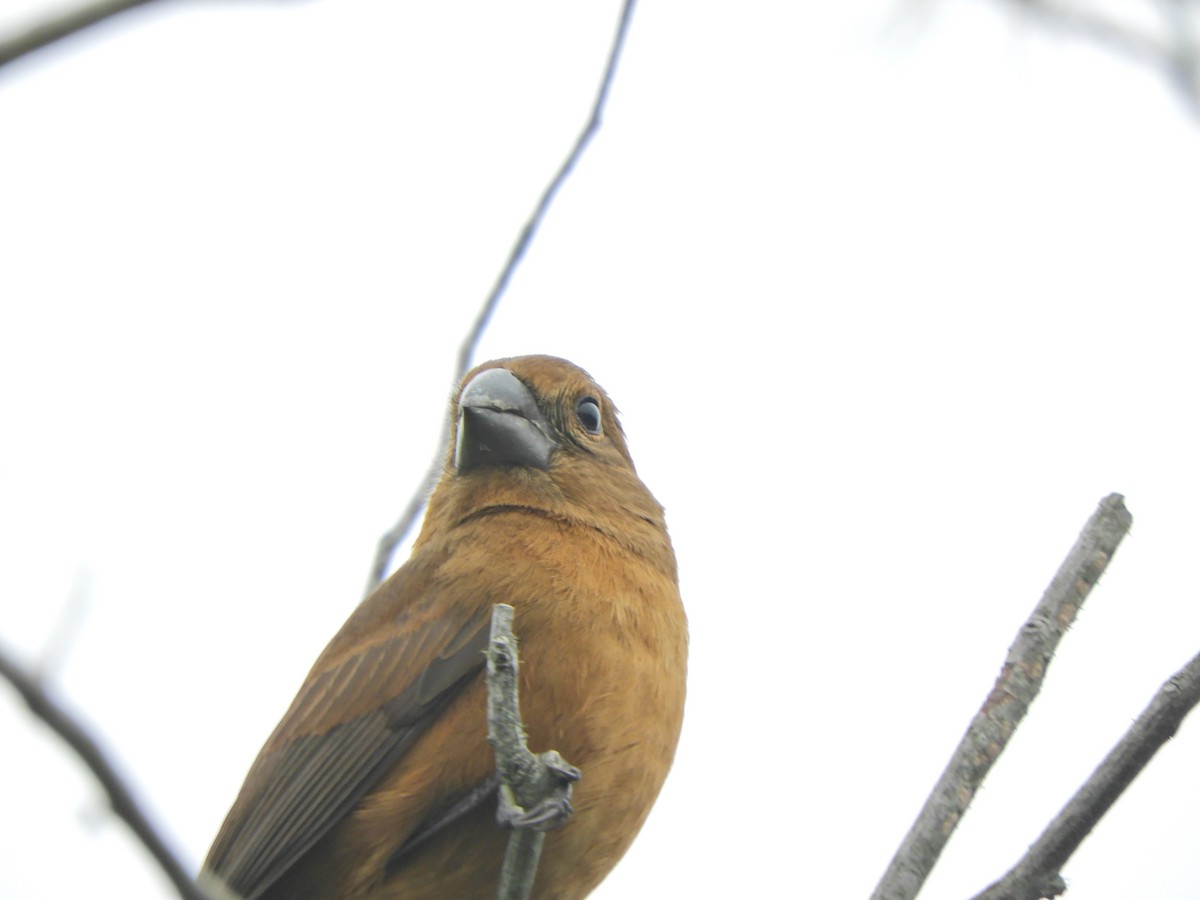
[
  {"x": 1175, "y": 53},
  {"x": 394, "y": 535},
  {"x": 62, "y": 25},
  {"x": 535, "y": 791},
  {"x": 120, "y": 796},
  {"x": 1153, "y": 728},
  {"x": 1186, "y": 69},
  {"x": 1017, "y": 685}
]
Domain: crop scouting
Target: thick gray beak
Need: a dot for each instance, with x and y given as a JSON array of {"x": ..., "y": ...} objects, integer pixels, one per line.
[{"x": 499, "y": 423}]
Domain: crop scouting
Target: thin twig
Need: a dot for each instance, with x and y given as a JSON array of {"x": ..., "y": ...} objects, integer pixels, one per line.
[
  {"x": 1017, "y": 685},
  {"x": 120, "y": 796},
  {"x": 535, "y": 791},
  {"x": 62, "y": 25},
  {"x": 392, "y": 538},
  {"x": 1154, "y": 727}
]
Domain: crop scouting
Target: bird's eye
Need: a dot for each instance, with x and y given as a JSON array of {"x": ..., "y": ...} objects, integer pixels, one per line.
[{"x": 587, "y": 410}]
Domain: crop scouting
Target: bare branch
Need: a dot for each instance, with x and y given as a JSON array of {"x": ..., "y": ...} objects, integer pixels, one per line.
[
  {"x": 1091, "y": 23},
  {"x": 1017, "y": 685},
  {"x": 1176, "y": 57},
  {"x": 120, "y": 796},
  {"x": 394, "y": 535},
  {"x": 1062, "y": 837},
  {"x": 61, "y": 26},
  {"x": 1186, "y": 68},
  {"x": 535, "y": 791}
]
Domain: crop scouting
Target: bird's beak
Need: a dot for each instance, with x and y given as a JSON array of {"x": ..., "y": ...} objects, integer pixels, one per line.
[{"x": 499, "y": 423}]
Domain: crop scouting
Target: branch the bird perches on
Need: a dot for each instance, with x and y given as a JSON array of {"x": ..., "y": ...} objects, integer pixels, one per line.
[{"x": 535, "y": 790}]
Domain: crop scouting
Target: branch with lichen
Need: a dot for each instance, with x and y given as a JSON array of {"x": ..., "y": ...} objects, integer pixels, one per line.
[{"x": 535, "y": 790}]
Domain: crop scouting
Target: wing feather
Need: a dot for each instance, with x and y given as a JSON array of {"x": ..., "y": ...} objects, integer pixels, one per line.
[{"x": 402, "y": 656}]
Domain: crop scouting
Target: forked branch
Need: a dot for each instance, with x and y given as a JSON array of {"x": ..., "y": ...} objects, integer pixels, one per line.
[
  {"x": 1039, "y": 868},
  {"x": 1017, "y": 685}
]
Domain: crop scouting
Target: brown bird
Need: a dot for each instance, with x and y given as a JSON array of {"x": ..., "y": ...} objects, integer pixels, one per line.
[{"x": 378, "y": 782}]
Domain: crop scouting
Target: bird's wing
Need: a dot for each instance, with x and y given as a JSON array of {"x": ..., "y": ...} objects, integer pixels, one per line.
[{"x": 374, "y": 691}]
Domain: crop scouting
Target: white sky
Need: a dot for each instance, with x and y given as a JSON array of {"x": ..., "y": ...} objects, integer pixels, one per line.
[{"x": 888, "y": 311}]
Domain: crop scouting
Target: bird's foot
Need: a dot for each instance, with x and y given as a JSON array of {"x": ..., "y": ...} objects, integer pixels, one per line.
[{"x": 555, "y": 779}]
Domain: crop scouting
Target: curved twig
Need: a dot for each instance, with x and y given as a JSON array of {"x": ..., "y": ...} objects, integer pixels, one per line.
[
  {"x": 394, "y": 535},
  {"x": 62, "y": 25},
  {"x": 120, "y": 796}
]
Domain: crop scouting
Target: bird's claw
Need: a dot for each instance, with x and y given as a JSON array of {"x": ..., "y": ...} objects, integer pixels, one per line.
[
  {"x": 551, "y": 811},
  {"x": 546, "y": 815},
  {"x": 559, "y": 767}
]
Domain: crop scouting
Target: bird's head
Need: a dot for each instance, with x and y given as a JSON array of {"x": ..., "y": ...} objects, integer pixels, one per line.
[
  {"x": 522, "y": 412},
  {"x": 537, "y": 433}
]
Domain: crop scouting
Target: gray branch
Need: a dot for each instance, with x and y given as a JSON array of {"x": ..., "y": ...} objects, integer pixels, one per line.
[
  {"x": 1175, "y": 54},
  {"x": 1040, "y": 866},
  {"x": 535, "y": 791},
  {"x": 120, "y": 796},
  {"x": 60, "y": 26},
  {"x": 1185, "y": 60},
  {"x": 1017, "y": 685},
  {"x": 392, "y": 538}
]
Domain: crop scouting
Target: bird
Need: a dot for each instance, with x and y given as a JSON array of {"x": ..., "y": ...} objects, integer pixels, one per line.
[{"x": 379, "y": 781}]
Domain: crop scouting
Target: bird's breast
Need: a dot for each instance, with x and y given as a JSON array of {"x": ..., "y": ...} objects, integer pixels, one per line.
[
  {"x": 603, "y": 641},
  {"x": 603, "y": 653}
]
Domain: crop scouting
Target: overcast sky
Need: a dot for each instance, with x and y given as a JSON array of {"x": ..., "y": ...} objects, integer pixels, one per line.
[{"x": 889, "y": 304}]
